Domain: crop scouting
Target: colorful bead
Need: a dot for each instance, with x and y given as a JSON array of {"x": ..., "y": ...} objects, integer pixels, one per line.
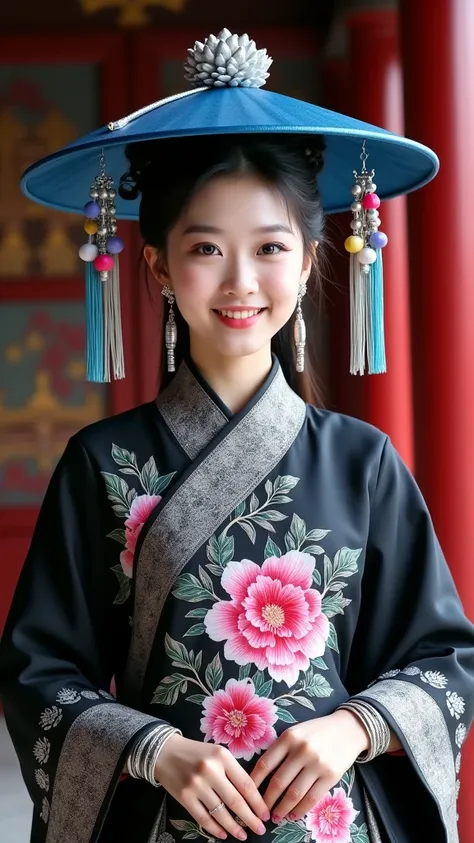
[
  {"x": 378, "y": 239},
  {"x": 354, "y": 244},
  {"x": 90, "y": 227},
  {"x": 103, "y": 263},
  {"x": 371, "y": 202},
  {"x": 115, "y": 245},
  {"x": 366, "y": 256},
  {"x": 92, "y": 210},
  {"x": 88, "y": 252}
]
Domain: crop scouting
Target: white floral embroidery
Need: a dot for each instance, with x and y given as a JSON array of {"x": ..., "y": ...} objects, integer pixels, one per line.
[
  {"x": 42, "y": 779},
  {"x": 434, "y": 678},
  {"x": 90, "y": 695},
  {"x": 458, "y": 787},
  {"x": 41, "y": 750},
  {"x": 45, "y": 810},
  {"x": 460, "y": 735},
  {"x": 456, "y": 704},
  {"x": 388, "y": 675},
  {"x": 165, "y": 837},
  {"x": 106, "y": 695},
  {"x": 67, "y": 696},
  {"x": 411, "y": 670},
  {"x": 458, "y": 762},
  {"x": 50, "y": 718}
]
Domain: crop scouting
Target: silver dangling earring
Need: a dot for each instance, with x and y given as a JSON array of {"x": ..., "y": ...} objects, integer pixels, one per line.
[
  {"x": 299, "y": 331},
  {"x": 171, "y": 331}
]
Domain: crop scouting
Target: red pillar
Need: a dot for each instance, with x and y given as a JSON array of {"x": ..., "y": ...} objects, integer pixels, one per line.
[
  {"x": 438, "y": 59},
  {"x": 376, "y": 96}
]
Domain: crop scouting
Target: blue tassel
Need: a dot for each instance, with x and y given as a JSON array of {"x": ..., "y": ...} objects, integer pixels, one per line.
[
  {"x": 377, "y": 362},
  {"x": 94, "y": 326}
]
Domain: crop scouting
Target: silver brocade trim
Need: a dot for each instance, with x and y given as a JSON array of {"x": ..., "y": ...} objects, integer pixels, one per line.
[
  {"x": 424, "y": 728},
  {"x": 88, "y": 761},
  {"x": 198, "y": 507},
  {"x": 190, "y": 413}
]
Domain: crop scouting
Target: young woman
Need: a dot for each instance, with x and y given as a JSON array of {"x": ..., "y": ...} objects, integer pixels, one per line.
[{"x": 259, "y": 577}]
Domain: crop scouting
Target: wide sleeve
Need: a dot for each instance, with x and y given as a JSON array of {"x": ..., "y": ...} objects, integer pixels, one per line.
[
  {"x": 63, "y": 642},
  {"x": 413, "y": 657}
]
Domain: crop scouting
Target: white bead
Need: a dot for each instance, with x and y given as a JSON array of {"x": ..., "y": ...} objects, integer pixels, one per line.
[
  {"x": 367, "y": 255},
  {"x": 377, "y": 223},
  {"x": 356, "y": 190},
  {"x": 372, "y": 213},
  {"x": 356, "y": 207},
  {"x": 356, "y": 225},
  {"x": 88, "y": 252}
]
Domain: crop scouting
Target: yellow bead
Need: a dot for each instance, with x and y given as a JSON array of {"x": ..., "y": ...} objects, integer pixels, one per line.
[
  {"x": 354, "y": 244},
  {"x": 91, "y": 227}
]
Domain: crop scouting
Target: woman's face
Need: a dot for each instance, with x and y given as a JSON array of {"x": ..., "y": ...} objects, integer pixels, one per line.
[{"x": 235, "y": 261}]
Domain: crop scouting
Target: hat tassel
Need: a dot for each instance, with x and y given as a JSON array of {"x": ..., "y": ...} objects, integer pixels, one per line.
[{"x": 366, "y": 276}]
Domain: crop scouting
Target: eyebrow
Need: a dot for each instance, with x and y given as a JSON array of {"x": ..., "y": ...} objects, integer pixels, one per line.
[{"x": 200, "y": 228}]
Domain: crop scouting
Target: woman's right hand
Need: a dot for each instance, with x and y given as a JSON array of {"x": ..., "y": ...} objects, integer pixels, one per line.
[{"x": 202, "y": 775}]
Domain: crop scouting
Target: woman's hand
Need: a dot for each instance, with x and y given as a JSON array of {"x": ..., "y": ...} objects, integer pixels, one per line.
[
  {"x": 202, "y": 775},
  {"x": 307, "y": 760}
]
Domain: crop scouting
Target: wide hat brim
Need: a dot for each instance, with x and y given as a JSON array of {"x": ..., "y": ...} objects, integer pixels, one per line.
[{"x": 62, "y": 180}]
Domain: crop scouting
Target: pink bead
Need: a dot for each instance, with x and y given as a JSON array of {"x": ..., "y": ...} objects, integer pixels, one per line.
[
  {"x": 371, "y": 202},
  {"x": 103, "y": 263}
]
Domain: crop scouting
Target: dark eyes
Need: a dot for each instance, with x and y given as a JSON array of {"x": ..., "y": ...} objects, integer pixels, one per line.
[{"x": 208, "y": 249}]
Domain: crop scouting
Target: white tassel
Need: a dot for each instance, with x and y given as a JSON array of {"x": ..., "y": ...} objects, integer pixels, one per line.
[
  {"x": 360, "y": 316},
  {"x": 113, "y": 343}
]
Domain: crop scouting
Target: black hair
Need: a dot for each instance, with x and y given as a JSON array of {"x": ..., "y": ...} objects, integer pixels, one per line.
[{"x": 168, "y": 173}]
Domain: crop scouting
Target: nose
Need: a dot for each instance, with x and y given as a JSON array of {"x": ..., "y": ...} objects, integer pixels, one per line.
[{"x": 241, "y": 279}]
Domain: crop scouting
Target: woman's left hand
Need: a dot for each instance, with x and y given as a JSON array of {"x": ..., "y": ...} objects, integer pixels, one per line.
[{"x": 307, "y": 760}]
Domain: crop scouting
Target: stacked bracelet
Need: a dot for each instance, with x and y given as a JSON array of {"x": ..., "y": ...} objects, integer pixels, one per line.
[
  {"x": 142, "y": 760},
  {"x": 377, "y": 728}
]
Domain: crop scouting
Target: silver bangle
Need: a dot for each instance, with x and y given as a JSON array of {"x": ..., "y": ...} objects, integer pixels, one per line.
[
  {"x": 143, "y": 757},
  {"x": 376, "y": 726}
]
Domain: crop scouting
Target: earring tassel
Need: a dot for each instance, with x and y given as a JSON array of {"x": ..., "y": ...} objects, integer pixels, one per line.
[
  {"x": 94, "y": 325},
  {"x": 358, "y": 306},
  {"x": 113, "y": 343},
  {"x": 376, "y": 348}
]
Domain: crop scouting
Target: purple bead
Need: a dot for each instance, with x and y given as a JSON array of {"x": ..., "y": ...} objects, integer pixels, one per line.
[
  {"x": 114, "y": 245},
  {"x": 92, "y": 210},
  {"x": 378, "y": 240}
]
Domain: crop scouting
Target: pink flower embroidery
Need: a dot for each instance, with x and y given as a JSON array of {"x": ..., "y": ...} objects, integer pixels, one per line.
[
  {"x": 141, "y": 508},
  {"x": 330, "y": 820},
  {"x": 274, "y": 619},
  {"x": 239, "y": 719}
]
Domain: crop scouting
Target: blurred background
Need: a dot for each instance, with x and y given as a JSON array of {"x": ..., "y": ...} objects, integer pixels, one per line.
[{"x": 66, "y": 67}]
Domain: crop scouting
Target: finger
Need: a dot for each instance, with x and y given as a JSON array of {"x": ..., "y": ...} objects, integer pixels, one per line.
[
  {"x": 247, "y": 787},
  {"x": 312, "y": 797},
  {"x": 281, "y": 780},
  {"x": 269, "y": 761},
  {"x": 204, "y": 819},
  {"x": 239, "y": 807},
  {"x": 211, "y": 799},
  {"x": 295, "y": 793}
]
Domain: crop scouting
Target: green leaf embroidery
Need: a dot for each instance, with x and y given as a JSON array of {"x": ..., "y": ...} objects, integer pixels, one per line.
[
  {"x": 265, "y": 689},
  {"x": 177, "y": 652},
  {"x": 345, "y": 562},
  {"x": 271, "y": 549},
  {"x": 281, "y": 499},
  {"x": 125, "y": 584},
  {"x": 346, "y": 781},
  {"x": 123, "y": 457},
  {"x": 184, "y": 825},
  {"x": 285, "y": 703},
  {"x": 220, "y": 549},
  {"x": 198, "y": 662},
  {"x": 317, "y": 686},
  {"x": 214, "y": 673},
  {"x": 359, "y": 834},
  {"x": 327, "y": 570},
  {"x": 304, "y": 702},
  {"x": 316, "y": 578},
  {"x": 197, "y": 613},
  {"x": 249, "y": 529},
  {"x": 205, "y": 579},
  {"x": 337, "y": 585},
  {"x": 189, "y": 588},
  {"x": 214, "y": 569},
  {"x": 317, "y": 535},
  {"x": 148, "y": 474},
  {"x": 196, "y": 698},
  {"x": 285, "y": 484},
  {"x": 244, "y": 671},
  {"x": 332, "y": 638},
  {"x": 168, "y": 690},
  {"x": 285, "y": 716},
  {"x": 263, "y": 521},
  {"x": 319, "y": 663},
  {"x": 239, "y": 511},
  {"x": 258, "y": 680},
  {"x": 197, "y": 629},
  {"x": 334, "y": 604},
  {"x": 254, "y": 503},
  {"x": 298, "y": 530},
  {"x": 314, "y": 549},
  {"x": 289, "y": 833},
  {"x": 117, "y": 491},
  {"x": 159, "y": 484},
  {"x": 191, "y": 835},
  {"x": 119, "y": 536},
  {"x": 290, "y": 542}
]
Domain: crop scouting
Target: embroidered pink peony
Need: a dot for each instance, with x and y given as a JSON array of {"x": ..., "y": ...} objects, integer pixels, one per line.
[
  {"x": 141, "y": 508},
  {"x": 274, "y": 618},
  {"x": 238, "y": 718},
  {"x": 330, "y": 820}
]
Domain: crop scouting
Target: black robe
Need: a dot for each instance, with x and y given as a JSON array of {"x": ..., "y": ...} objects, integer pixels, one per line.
[{"x": 232, "y": 575}]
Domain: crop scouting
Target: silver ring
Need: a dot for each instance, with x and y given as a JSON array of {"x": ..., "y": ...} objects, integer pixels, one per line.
[{"x": 216, "y": 809}]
